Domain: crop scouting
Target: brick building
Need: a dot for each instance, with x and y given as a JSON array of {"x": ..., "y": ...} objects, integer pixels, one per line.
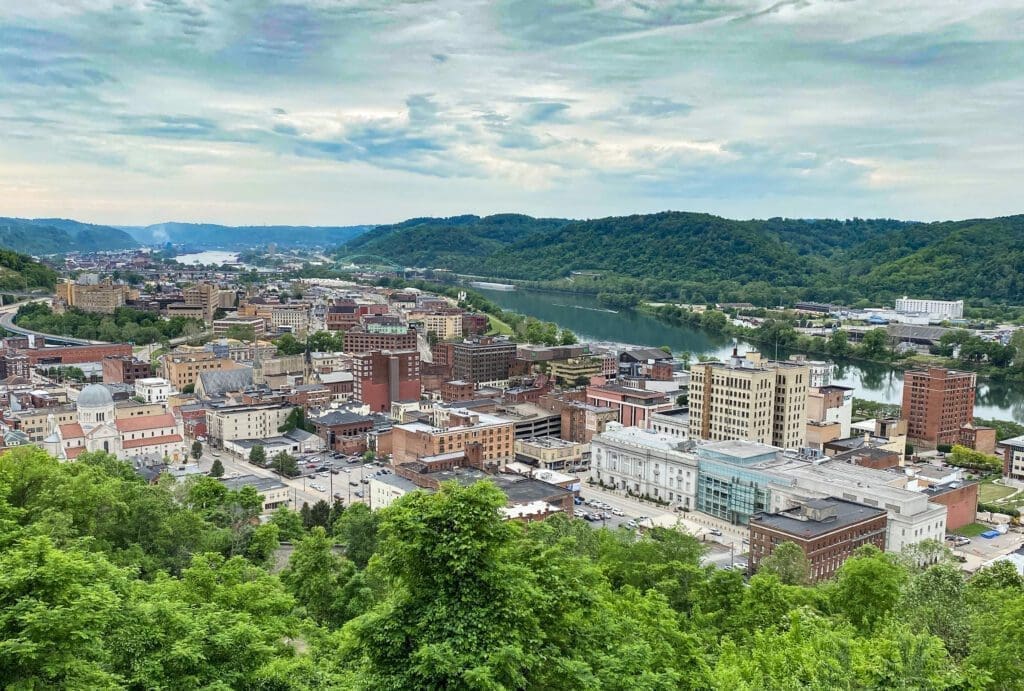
[
  {"x": 826, "y": 530},
  {"x": 462, "y": 428},
  {"x": 376, "y": 337},
  {"x": 342, "y": 315},
  {"x": 634, "y": 406},
  {"x": 343, "y": 431},
  {"x": 384, "y": 377},
  {"x": 981, "y": 439},
  {"x": 125, "y": 370},
  {"x": 960, "y": 500},
  {"x": 457, "y": 390},
  {"x": 75, "y": 355},
  {"x": 937, "y": 403},
  {"x": 475, "y": 324},
  {"x": 581, "y": 422}
]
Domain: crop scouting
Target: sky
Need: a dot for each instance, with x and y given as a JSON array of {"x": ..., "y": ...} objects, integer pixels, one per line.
[{"x": 339, "y": 112}]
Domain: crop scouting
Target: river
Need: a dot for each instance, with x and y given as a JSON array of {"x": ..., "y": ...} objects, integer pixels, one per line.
[{"x": 591, "y": 321}]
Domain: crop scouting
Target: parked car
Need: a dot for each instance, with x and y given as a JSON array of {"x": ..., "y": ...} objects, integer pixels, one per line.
[
  {"x": 618, "y": 512},
  {"x": 337, "y": 495},
  {"x": 353, "y": 483},
  {"x": 366, "y": 481},
  {"x": 716, "y": 532},
  {"x": 577, "y": 501},
  {"x": 631, "y": 525},
  {"x": 580, "y": 513},
  {"x": 359, "y": 493}
]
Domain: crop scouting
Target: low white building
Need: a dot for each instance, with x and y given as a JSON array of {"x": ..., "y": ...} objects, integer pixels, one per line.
[
  {"x": 645, "y": 463},
  {"x": 275, "y": 493},
  {"x": 153, "y": 389},
  {"x": 386, "y": 489}
]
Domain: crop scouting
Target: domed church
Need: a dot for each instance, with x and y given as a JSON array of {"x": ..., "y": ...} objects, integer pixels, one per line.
[{"x": 146, "y": 437}]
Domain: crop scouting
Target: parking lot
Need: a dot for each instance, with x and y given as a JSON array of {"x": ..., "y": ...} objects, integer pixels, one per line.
[{"x": 336, "y": 476}]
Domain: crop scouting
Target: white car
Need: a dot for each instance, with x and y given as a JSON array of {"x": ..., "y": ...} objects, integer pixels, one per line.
[{"x": 618, "y": 512}]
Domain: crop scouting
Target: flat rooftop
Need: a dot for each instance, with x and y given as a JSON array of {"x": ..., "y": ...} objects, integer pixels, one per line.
[{"x": 794, "y": 522}]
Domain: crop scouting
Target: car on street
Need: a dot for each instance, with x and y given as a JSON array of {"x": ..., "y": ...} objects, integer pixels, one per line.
[
  {"x": 346, "y": 470},
  {"x": 337, "y": 495},
  {"x": 354, "y": 483},
  {"x": 365, "y": 481},
  {"x": 577, "y": 501},
  {"x": 359, "y": 493},
  {"x": 716, "y": 532},
  {"x": 618, "y": 512},
  {"x": 317, "y": 487}
]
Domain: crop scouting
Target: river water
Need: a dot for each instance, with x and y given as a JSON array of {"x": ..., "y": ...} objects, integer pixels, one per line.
[{"x": 593, "y": 322}]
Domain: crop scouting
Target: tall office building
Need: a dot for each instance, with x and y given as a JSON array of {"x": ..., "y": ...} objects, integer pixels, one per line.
[
  {"x": 937, "y": 402},
  {"x": 749, "y": 398},
  {"x": 385, "y": 377},
  {"x": 483, "y": 360}
]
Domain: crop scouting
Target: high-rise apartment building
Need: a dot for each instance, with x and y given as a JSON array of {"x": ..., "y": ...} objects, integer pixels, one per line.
[
  {"x": 937, "y": 402},
  {"x": 483, "y": 360},
  {"x": 751, "y": 399},
  {"x": 385, "y": 377}
]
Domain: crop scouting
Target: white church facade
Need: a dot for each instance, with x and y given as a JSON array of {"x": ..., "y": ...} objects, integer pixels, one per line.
[{"x": 144, "y": 437}]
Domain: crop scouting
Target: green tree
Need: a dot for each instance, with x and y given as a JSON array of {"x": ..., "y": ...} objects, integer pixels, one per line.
[
  {"x": 357, "y": 528},
  {"x": 289, "y": 524},
  {"x": 217, "y": 469},
  {"x": 296, "y": 420},
  {"x": 867, "y": 587},
  {"x": 287, "y": 344},
  {"x": 241, "y": 332},
  {"x": 789, "y": 563},
  {"x": 258, "y": 455},
  {"x": 285, "y": 464},
  {"x": 197, "y": 449},
  {"x": 874, "y": 345},
  {"x": 318, "y": 577}
]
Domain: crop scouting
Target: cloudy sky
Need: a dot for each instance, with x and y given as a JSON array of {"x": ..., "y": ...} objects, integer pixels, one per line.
[{"x": 353, "y": 111}]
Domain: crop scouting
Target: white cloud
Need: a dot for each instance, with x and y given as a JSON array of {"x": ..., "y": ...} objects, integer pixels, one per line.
[{"x": 337, "y": 112}]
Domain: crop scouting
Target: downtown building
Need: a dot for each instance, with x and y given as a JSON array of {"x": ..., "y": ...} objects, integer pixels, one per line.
[
  {"x": 937, "y": 403},
  {"x": 751, "y": 399}
]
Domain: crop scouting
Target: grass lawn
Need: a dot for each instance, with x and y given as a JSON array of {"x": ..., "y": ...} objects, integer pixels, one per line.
[
  {"x": 496, "y": 326},
  {"x": 972, "y": 530},
  {"x": 989, "y": 492}
]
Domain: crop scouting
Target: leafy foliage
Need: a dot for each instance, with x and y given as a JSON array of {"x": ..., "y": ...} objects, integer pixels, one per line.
[
  {"x": 109, "y": 582},
  {"x": 701, "y": 258},
  {"x": 126, "y": 324}
]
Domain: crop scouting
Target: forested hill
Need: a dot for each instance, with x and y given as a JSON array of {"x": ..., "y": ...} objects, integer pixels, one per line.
[
  {"x": 704, "y": 257},
  {"x": 57, "y": 235},
  {"x": 208, "y": 235},
  {"x": 19, "y": 272}
]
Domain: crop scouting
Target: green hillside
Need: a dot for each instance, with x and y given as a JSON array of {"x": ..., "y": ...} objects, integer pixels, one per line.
[
  {"x": 58, "y": 235},
  {"x": 19, "y": 272},
  {"x": 703, "y": 257}
]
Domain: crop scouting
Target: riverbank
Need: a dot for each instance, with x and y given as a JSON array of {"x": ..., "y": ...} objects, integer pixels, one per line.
[{"x": 777, "y": 329}]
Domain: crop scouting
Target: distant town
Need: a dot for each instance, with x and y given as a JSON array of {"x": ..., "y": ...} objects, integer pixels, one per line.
[{"x": 317, "y": 391}]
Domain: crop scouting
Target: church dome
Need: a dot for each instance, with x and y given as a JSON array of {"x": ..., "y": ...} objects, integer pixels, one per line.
[{"x": 95, "y": 396}]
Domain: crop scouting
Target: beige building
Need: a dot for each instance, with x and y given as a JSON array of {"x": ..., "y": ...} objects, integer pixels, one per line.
[
  {"x": 751, "y": 399},
  {"x": 182, "y": 367},
  {"x": 104, "y": 297},
  {"x": 208, "y": 298},
  {"x": 291, "y": 317},
  {"x": 551, "y": 453},
  {"x": 575, "y": 368},
  {"x": 446, "y": 326},
  {"x": 246, "y": 421}
]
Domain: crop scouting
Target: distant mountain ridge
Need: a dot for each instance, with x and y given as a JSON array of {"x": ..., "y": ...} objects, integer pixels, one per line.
[
  {"x": 700, "y": 257},
  {"x": 214, "y": 236},
  {"x": 57, "y": 235}
]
